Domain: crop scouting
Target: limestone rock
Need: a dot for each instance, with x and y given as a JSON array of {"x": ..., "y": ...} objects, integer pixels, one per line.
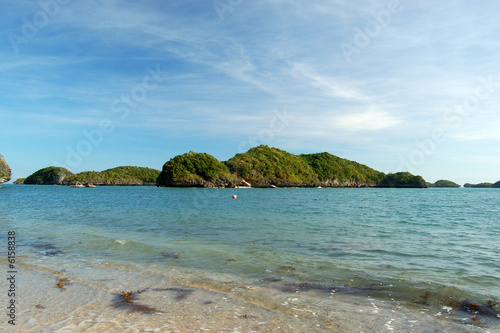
[{"x": 5, "y": 172}]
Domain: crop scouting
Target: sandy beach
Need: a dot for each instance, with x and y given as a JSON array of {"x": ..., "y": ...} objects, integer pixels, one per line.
[{"x": 109, "y": 298}]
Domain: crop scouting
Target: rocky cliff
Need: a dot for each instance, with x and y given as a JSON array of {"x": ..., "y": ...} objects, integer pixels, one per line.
[{"x": 5, "y": 172}]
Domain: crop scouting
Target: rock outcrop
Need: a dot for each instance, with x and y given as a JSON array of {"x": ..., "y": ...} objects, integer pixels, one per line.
[
  {"x": 443, "y": 183},
  {"x": 480, "y": 185},
  {"x": 19, "y": 181},
  {"x": 5, "y": 172},
  {"x": 402, "y": 180},
  {"x": 48, "y": 176}
]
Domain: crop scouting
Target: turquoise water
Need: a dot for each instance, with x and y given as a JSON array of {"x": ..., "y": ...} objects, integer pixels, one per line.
[{"x": 418, "y": 245}]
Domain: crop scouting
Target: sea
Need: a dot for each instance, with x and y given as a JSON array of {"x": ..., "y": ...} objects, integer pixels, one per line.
[{"x": 135, "y": 259}]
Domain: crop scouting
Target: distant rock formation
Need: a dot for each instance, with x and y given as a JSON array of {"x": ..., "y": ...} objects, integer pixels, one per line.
[
  {"x": 480, "y": 185},
  {"x": 402, "y": 180},
  {"x": 5, "y": 172},
  {"x": 443, "y": 183},
  {"x": 19, "y": 181},
  {"x": 48, "y": 176}
]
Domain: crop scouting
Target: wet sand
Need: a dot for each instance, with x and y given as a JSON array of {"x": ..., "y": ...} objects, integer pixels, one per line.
[{"x": 110, "y": 298}]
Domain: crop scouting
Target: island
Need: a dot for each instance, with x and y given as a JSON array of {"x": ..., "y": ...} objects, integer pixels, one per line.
[
  {"x": 48, "y": 176},
  {"x": 119, "y": 176},
  {"x": 443, "y": 183},
  {"x": 19, "y": 181},
  {"x": 264, "y": 166},
  {"x": 5, "y": 172},
  {"x": 480, "y": 185}
]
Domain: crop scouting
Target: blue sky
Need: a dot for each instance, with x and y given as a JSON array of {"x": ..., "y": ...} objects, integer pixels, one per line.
[{"x": 396, "y": 85}]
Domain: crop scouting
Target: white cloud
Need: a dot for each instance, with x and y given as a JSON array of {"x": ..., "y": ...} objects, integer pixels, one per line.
[
  {"x": 335, "y": 88},
  {"x": 370, "y": 120}
]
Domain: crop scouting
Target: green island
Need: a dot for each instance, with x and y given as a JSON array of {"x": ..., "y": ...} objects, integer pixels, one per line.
[
  {"x": 195, "y": 170},
  {"x": 443, "y": 183},
  {"x": 48, "y": 176},
  {"x": 264, "y": 166},
  {"x": 19, "y": 181},
  {"x": 123, "y": 175},
  {"x": 5, "y": 172},
  {"x": 480, "y": 185}
]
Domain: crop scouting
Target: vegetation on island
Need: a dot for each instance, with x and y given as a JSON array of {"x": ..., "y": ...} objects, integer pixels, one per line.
[
  {"x": 402, "y": 179},
  {"x": 443, "y": 183},
  {"x": 124, "y": 175},
  {"x": 5, "y": 172},
  {"x": 262, "y": 163},
  {"x": 48, "y": 176},
  {"x": 264, "y": 166},
  {"x": 194, "y": 169},
  {"x": 496, "y": 185},
  {"x": 19, "y": 181},
  {"x": 328, "y": 166},
  {"x": 260, "y": 166},
  {"x": 480, "y": 185}
]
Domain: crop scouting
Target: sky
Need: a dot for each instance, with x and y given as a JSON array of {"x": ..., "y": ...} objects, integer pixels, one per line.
[{"x": 396, "y": 85}]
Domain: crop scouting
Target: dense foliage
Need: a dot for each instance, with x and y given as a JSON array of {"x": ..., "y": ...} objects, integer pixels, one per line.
[
  {"x": 496, "y": 185},
  {"x": 328, "y": 166},
  {"x": 48, "y": 176},
  {"x": 260, "y": 166},
  {"x": 443, "y": 183},
  {"x": 123, "y": 175},
  {"x": 146, "y": 175},
  {"x": 402, "y": 179},
  {"x": 263, "y": 163},
  {"x": 192, "y": 167},
  {"x": 5, "y": 172},
  {"x": 480, "y": 185},
  {"x": 20, "y": 181}
]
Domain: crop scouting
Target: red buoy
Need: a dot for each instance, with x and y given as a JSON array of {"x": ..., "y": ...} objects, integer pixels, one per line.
[{"x": 235, "y": 197}]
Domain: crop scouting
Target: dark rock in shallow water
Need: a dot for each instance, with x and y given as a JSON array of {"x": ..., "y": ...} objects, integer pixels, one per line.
[
  {"x": 271, "y": 279},
  {"x": 50, "y": 250},
  {"x": 479, "y": 308},
  {"x": 170, "y": 255}
]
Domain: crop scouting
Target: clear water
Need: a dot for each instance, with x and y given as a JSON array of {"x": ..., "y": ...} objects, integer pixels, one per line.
[{"x": 415, "y": 245}]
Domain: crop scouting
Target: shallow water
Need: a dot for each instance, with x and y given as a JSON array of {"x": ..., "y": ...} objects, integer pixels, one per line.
[{"x": 432, "y": 249}]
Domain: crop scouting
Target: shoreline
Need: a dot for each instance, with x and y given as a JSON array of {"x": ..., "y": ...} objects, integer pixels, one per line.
[{"x": 94, "y": 298}]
